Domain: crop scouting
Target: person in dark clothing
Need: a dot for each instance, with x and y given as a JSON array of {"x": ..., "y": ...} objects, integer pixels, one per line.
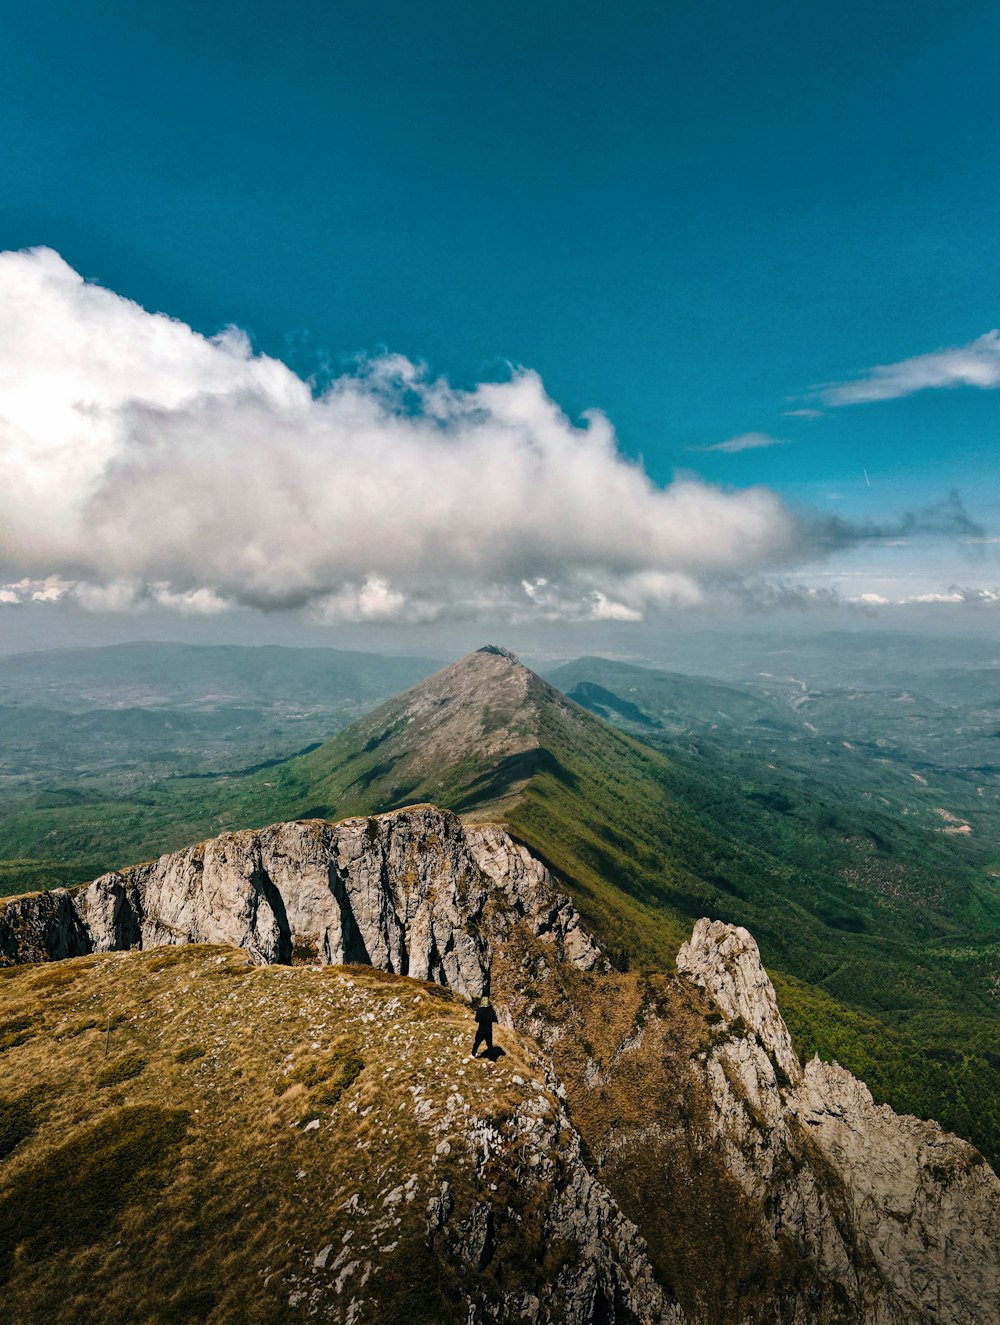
[{"x": 485, "y": 1017}]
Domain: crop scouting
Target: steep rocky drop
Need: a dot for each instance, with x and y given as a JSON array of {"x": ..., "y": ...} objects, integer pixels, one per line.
[
  {"x": 902, "y": 1215},
  {"x": 821, "y": 1207},
  {"x": 414, "y": 892}
]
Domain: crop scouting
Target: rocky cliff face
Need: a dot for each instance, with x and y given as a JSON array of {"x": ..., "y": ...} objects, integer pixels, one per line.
[
  {"x": 903, "y": 1217},
  {"x": 854, "y": 1214},
  {"x": 41, "y": 927},
  {"x": 413, "y": 892}
]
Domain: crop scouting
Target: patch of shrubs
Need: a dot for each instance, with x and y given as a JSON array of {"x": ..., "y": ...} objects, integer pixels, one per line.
[
  {"x": 190, "y": 1052},
  {"x": 122, "y": 1069},
  {"x": 327, "y": 1078},
  {"x": 15, "y": 1031},
  {"x": 19, "y": 1118}
]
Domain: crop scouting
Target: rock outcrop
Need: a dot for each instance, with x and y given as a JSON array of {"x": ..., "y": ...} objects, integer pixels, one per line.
[
  {"x": 41, "y": 927},
  {"x": 904, "y": 1217},
  {"x": 609, "y": 1277},
  {"x": 414, "y": 892},
  {"x": 416, "y": 1186},
  {"x": 860, "y": 1216}
]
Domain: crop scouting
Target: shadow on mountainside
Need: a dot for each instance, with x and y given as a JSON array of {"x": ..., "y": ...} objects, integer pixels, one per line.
[{"x": 509, "y": 773}]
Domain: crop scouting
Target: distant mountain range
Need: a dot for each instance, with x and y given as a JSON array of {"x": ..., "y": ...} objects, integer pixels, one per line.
[
  {"x": 157, "y": 675},
  {"x": 103, "y": 721}
]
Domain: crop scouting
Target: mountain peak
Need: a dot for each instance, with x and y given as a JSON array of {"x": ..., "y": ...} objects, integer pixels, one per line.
[
  {"x": 471, "y": 737},
  {"x": 500, "y": 652}
]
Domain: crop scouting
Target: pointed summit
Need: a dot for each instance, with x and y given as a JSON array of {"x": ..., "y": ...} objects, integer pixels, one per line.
[
  {"x": 489, "y": 739},
  {"x": 501, "y": 652},
  {"x": 469, "y": 737}
]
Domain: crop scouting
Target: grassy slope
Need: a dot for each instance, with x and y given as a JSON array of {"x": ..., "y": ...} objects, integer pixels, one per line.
[
  {"x": 898, "y": 751},
  {"x": 173, "y": 1180},
  {"x": 883, "y": 930},
  {"x": 898, "y": 980}
]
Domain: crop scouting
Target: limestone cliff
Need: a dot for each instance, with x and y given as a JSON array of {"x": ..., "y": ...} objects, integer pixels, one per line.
[
  {"x": 902, "y": 1216},
  {"x": 414, "y": 892},
  {"x": 696, "y": 1173}
]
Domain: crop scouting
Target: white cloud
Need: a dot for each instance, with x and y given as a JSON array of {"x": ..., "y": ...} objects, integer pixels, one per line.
[
  {"x": 746, "y": 441},
  {"x": 965, "y": 596},
  {"x": 976, "y": 364},
  {"x": 143, "y": 464},
  {"x": 604, "y": 609}
]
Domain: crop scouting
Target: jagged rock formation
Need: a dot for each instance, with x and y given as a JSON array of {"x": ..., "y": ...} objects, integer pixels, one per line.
[
  {"x": 902, "y": 1216},
  {"x": 858, "y": 1215},
  {"x": 608, "y": 1279},
  {"x": 413, "y": 892},
  {"x": 41, "y": 927}
]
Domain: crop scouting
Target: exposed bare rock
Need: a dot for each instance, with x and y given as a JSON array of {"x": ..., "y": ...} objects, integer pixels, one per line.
[
  {"x": 724, "y": 961},
  {"x": 609, "y": 1278},
  {"x": 41, "y": 927},
  {"x": 903, "y": 1216},
  {"x": 413, "y": 892},
  {"x": 530, "y": 891},
  {"x": 923, "y": 1202}
]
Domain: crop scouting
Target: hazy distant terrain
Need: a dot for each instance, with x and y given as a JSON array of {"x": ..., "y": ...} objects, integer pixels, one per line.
[
  {"x": 923, "y": 745},
  {"x": 111, "y": 721},
  {"x": 865, "y": 659}
]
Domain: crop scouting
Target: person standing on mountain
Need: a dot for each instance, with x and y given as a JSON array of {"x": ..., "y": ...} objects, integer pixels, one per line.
[{"x": 485, "y": 1018}]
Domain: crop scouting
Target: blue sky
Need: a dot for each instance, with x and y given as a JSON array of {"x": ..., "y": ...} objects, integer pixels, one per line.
[{"x": 691, "y": 218}]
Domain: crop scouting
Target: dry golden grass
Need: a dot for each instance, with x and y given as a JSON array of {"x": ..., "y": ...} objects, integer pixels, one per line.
[
  {"x": 622, "y": 1045},
  {"x": 190, "y": 1188}
]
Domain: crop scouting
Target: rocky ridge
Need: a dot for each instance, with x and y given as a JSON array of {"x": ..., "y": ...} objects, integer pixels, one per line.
[
  {"x": 875, "y": 1218},
  {"x": 414, "y": 892},
  {"x": 904, "y": 1217}
]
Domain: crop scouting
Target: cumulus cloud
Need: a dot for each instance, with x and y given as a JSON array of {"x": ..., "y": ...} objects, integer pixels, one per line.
[
  {"x": 976, "y": 364},
  {"x": 746, "y": 441},
  {"x": 144, "y": 464}
]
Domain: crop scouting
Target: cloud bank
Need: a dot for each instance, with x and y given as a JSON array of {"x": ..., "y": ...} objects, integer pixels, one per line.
[
  {"x": 947, "y": 519},
  {"x": 976, "y": 364},
  {"x": 142, "y": 463}
]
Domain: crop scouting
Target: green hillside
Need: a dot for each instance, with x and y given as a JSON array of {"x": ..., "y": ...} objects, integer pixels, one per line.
[{"x": 887, "y": 932}]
